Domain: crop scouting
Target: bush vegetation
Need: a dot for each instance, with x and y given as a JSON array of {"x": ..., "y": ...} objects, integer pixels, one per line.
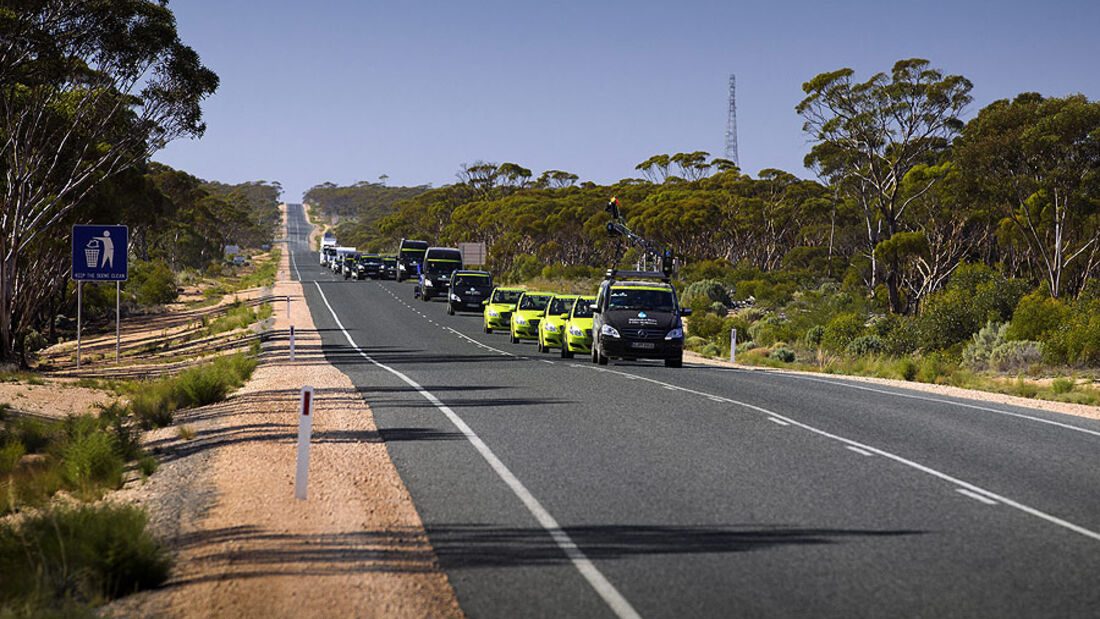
[{"x": 155, "y": 402}]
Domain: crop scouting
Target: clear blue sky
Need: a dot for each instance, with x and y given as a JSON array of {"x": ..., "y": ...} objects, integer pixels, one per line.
[{"x": 348, "y": 90}]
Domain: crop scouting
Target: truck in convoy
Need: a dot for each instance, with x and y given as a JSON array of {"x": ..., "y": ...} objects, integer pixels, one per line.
[
  {"x": 328, "y": 243},
  {"x": 337, "y": 262},
  {"x": 410, "y": 255}
]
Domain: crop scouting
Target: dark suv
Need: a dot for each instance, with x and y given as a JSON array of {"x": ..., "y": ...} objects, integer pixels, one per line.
[
  {"x": 637, "y": 316},
  {"x": 468, "y": 290},
  {"x": 435, "y": 274},
  {"x": 368, "y": 265}
]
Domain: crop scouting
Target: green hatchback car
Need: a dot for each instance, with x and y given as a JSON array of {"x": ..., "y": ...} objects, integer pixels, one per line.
[
  {"x": 499, "y": 307},
  {"x": 577, "y": 334},
  {"x": 528, "y": 315},
  {"x": 553, "y": 321}
]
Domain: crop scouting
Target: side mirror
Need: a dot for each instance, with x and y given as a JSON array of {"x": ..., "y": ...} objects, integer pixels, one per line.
[
  {"x": 685, "y": 311},
  {"x": 485, "y": 302}
]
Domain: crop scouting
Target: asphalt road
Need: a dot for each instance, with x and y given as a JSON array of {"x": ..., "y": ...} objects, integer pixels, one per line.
[{"x": 554, "y": 487}]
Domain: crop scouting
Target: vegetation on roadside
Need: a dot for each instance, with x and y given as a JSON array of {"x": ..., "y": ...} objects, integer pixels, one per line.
[
  {"x": 154, "y": 403},
  {"x": 62, "y": 561}
]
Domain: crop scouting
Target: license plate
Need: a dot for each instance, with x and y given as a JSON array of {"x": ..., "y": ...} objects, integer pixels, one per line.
[{"x": 642, "y": 345}]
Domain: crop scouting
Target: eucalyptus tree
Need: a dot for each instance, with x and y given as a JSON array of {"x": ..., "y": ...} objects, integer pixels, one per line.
[
  {"x": 1037, "y": 161},
  {"x": 873, "y": 133},
  {"x": 88, "y": 89}
]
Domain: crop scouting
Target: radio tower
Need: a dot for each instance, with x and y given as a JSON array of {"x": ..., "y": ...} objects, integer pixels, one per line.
[{"x": 731, "y": 124}]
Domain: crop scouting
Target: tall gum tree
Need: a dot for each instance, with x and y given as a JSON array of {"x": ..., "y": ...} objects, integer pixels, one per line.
[
  {"x": 872, "y": 134},
  {"x": 1036, "y": 161},
  {"x": 88, "y": 89}
]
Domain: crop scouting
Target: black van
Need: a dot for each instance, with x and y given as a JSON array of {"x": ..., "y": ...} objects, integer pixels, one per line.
[
  {"x": 410, "y": 255},
  {"x": 637, "y": 316},
  {"x": 468, "y": 290},
  {"x": 435, "y": 273}
]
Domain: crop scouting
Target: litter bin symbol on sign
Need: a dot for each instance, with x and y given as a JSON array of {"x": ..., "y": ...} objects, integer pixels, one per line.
[{"x": 91, "y": 253}]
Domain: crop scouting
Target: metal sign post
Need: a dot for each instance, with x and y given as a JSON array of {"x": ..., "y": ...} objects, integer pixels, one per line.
[{"x": 100, "y": 254}]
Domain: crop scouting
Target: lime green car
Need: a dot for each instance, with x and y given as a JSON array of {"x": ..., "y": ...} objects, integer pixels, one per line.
[
  {"x": 577, "y": 333},
  {"x": 553, "y": 321},
  {"x": 499, "y": 307},
  {"x": 528, "y": 315}
]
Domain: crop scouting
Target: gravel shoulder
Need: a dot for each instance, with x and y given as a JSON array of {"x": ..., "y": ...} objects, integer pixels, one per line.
[
  {"x": 223, "y": 498},
  {"x": 1066, "y": 408}
]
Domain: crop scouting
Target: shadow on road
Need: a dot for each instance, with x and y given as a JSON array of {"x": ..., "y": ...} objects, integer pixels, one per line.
[{"x": 467, "y": 545}]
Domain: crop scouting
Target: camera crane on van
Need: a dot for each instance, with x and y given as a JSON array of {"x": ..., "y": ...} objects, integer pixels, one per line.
[{"x": 616, "y": 227}]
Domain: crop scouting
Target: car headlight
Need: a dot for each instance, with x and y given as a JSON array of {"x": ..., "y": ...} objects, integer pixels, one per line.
[
  {"x": 675, "y": 334},
  {"x": 493, "y": 313},
  {"x": 550, "y": 328},
  {"x": 428, "y": 283},
  {"x": 609, "y": 331},
  {"x": 520, "y": 320},
  {"x": 575, "y": 331}
]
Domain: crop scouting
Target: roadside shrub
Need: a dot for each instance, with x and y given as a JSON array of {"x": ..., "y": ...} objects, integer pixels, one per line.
[
  {"x": 977, "y": 352},
  {"x": 1076, "y": 341},
  {"x": 152, "y": 282},
  {"x": 525, "y": 268},
  {"x": 709, "y": 269},
  {"x": 1062, "y": 385},
  {"x": 714, "y": 290},
  {"x": 841, "y": 330},
  {"x": 932, "y": 368},
  {"x": 784, "y": 354},
  {"x": 711, "y": 350},
  {"x": 903, "y": 338},
  {"x": 92, "y": 460},
  {"x": 866, "y": 345},
  {"x": 34, "y": 434},
  {"x": 704, "y": 325},
  {"x": 718, "y": 309},
  {"x": 974, "y": 295},
  {"x": 10, "y": 453},
  {"x": 153, "y": 405},
  {"x": 906, "y": 368},
  {"x": 814, "y": 335},
  {"x": 1035, "y": 317},
  {"x": 1025, "y": 389},
  {"x": 694, "y": 342},
  {"x": 772, "y": 329},
  {"x": 73, "y": 556},
  {"x": 1015, "y": 356}
]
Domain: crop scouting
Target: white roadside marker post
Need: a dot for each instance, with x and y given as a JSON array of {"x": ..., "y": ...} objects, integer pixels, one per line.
[
  {"x": 292, "y": 342},
  {"x": 305, "y": 431},
  {"x": 288, "y": 306},
  {"x": 733, "y": 345}
]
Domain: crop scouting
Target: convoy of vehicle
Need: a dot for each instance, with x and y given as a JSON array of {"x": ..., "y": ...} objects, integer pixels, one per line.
[{"x": 634, "y": 314}]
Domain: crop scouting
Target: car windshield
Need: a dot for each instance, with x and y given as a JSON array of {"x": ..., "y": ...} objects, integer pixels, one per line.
[
  {"x": 436, "y": 267},
  {"x": 372, "y": 260},
  {"x": 389, "y": 261},
  {"x": 534, "y": 302},
  {"x": 560, "y": 305},
  {"x": 413, "y": 253},
  {"x": 506, "y": 296},
  {"x": 651, "y": 299},
  {"x": 473, "y": 281},
  {"x": 583, "y": 308}
]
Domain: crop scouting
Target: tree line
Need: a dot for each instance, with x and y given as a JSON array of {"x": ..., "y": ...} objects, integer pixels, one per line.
[
  {"x": 89, "y": 91},
  {"x": 906, "y": 192}
]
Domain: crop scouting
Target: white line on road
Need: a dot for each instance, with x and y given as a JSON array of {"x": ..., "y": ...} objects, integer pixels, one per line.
[
  {"x": 913, "y": 396},
  {"x": 976, "y": 496},
  {"x": 778, "y": 421},
  {"x": 615, "y": 600},
  {"x": 859, "y": 451},
  {"x": 1027, "y": 509}
]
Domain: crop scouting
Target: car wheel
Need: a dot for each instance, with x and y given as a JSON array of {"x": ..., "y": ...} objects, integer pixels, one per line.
[
  {"x": 450, "y": 310},
  {"x": 601, "y": 359},
  {"x": 488, "y": 329},
  {"x": 512, "y": 337},
  {"x": 675, "y": 362},
  {"x": 565, "y": 352}
]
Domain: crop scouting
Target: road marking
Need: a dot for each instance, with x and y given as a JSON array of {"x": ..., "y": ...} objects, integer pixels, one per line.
[
  {"x": 615, "y": 600},
  {"x": 714, "y": 399},
  {"x": 913, "y": 396},
  {"x": 1027, "y": 509},
  {"x": 547, "y": 361},
  {"x": 859, "y": 451},
  {"x": 778, "y": 421},
  {"x": 976, "y": 496}
]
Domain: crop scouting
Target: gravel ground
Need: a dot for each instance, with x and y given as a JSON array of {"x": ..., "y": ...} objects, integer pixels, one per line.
[
  {"x": 1067, "y": 408},
  {"x": 223, "y": 498}
]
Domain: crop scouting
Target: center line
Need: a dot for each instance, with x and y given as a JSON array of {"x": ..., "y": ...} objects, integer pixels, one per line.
[
  {"x": 778, "y": 421},
  {"x": 976, "y": 496}
]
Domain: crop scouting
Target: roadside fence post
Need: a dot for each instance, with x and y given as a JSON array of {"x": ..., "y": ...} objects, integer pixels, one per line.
[
  {"x": 305, "y": 432},
  {"x": 733, "y": 345}
]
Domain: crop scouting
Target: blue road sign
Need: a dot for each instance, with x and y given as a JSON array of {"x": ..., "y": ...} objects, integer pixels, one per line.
[{"x": 99, "y": 253}]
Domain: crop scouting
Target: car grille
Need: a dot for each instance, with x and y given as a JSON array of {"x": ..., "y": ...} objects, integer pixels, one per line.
[
  {"x": 505, "y": 315},
  {"x": 534, "y": 323},
  {"x": 648, "y": 333}
]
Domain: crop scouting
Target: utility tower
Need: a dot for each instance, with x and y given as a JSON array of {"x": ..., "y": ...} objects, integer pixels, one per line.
[{"x": 731, "y": 124}]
